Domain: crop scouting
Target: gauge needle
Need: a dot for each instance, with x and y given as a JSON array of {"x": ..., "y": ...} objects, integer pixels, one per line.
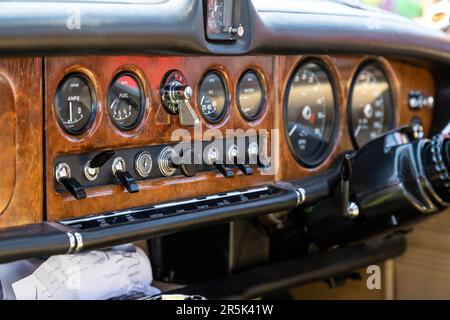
[
  {"x": 70, "y": 112},
  {"x": 313, "y": 118},
  {"x": 292, "y": 130},
  {"x": 358, "y": 128}
]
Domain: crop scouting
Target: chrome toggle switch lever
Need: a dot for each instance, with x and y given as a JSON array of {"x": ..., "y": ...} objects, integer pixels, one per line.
[
  {"x": 125, "y": 178},
  {"x": 213, "y": 158},
  {"x": 92, "y": 167},
  {"x": 239, "y": 162},
  {"x": 63, "y": 176},
  {"x": 349, "y": 209},
  {"x": 175, "y": 95}
]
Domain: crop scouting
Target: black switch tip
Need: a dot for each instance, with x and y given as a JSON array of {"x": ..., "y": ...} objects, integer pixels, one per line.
[
  {"x": 128, "y": 181},
  {"x": 100, "y": 159},
  {"x": 74, "y": 187},
  {"x": 226, "y": 172}
]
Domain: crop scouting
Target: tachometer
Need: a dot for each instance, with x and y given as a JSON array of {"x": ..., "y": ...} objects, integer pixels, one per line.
[
  {"x": 370, "y": 104},
  {"x": 75, "y": 104},
  {"x": 212, "y": 97},
  {"x": 310, "y": 113}
]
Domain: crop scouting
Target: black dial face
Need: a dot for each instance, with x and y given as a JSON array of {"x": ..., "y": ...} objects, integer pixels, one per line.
[
  {"x": 250, "y": 95},
  {"x": 212, "y": 97},
  {"x": 126, "y": 101},
  {"x": 75, "y": 104},
  {"x": 310, "y": 113},
  {"x": 371, "y": 105}
]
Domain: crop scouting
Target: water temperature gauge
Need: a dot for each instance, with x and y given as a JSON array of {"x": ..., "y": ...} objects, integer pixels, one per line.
[{"x": 75, "y": 104}]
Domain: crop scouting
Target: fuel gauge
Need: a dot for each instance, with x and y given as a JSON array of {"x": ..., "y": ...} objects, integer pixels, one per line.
[
  {"x": 126, "y": 101},
  {"x": 75, "y": 104}
]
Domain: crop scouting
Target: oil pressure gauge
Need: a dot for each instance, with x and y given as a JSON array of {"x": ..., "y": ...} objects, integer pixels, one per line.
[
  {"x": 75, "y": 104},
  {"x": 126, "y": 101},
  {"x": 212, "y": 97}
]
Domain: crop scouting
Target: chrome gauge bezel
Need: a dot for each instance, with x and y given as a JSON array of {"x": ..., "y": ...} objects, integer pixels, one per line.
[
  {"x": 326, "y": 151},
  {"x": 93, "y": 107},
  {"x": 223, "y": 79},
  {"x": 262, "y": 104},
  {"x": 142, "y": 101}
]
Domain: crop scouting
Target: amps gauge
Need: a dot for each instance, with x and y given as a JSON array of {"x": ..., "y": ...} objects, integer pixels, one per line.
[{"x": 75, "y": 104}]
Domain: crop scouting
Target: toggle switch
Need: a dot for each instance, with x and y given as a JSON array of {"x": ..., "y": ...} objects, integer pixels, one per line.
[
  {"x": 349, "y": 209},
  {"x": 63, "y": 176},
  {"x": 239, "y": 162},
  {"x": 175, "y": 95},
  {"x": 92, "y": 167},
  {"x": 254, "y": 155},
  {"x": 125, "y": 178},
  {"x": 213, "y": 158}
]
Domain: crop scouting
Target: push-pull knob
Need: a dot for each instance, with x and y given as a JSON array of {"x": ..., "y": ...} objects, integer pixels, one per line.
[
  {"x": 63, "y": 176},
  {"x": 185, "y": 162},
  {"x": 175, "y": 95},
  {"x": 125, "y": 178},
  {"x": 213, "y": 158},
  {"x": 239, "y": 162},
  {"x": 92, "y": 167}
]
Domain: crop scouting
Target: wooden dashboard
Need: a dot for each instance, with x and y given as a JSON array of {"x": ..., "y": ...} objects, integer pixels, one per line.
[{"x": 32, "y": 138}]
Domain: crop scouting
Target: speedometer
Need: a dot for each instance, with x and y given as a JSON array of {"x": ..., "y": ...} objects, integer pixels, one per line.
[
  {"x": 370, "y": 104},
  {"x": 310, "y": 113}
]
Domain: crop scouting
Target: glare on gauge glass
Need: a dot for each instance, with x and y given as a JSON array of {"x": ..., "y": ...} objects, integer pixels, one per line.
[
  {"x": 309, "y": 113},
  {"x": 371, "y": 105}
]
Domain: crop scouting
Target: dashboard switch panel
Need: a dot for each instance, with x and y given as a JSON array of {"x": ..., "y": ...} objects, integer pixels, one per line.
[{"x": 128, "y": 166}]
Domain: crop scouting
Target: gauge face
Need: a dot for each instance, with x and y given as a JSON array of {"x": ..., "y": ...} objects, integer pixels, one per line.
[
  {"x": 126, "y": 101},
  {"x": 216, "y": 16},
  {"x": 310, "y": 113},
  {"x": 370, "y": 105},
  {"x": 212, "y": 97},
  {"x": 75, "y": 104},
  {"x": 250, "y": 95}
]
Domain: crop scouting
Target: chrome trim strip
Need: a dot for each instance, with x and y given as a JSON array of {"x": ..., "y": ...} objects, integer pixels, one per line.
[
  {"x": 164, "y": 205},
  {"x": 80, "y": 244},
  {"x": 72, "y": 243},
  {"x": 301, "y": 193}
]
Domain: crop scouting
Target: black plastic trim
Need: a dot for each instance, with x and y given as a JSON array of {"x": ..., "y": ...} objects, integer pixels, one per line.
[
  {"x": 177, "y": 27},
  {"x": 316, "y": 266},
  {"x": 51, "y": 238}
]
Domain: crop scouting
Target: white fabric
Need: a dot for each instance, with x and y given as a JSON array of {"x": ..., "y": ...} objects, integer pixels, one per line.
[{"x": 92, "y": 275}]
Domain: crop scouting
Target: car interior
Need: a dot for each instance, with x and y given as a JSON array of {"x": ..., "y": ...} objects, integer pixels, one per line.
[{"x": 244, "y": 149}]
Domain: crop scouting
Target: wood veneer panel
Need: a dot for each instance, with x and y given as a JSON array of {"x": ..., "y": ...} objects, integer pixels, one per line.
[
  {"x": 403, "y": 77},
  {"x": 21, "y": 160},
  {"x": 156, "y": 128}
]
